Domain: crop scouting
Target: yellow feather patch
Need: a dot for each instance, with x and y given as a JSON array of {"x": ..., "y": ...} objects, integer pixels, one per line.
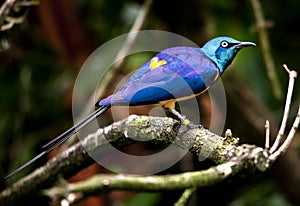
[
  {"x": 168, "y": 103},
  {"x": 155, "y": 63}
]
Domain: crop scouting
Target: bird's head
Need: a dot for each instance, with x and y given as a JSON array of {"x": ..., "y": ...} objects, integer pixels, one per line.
[{"x": 222, "y": 50}]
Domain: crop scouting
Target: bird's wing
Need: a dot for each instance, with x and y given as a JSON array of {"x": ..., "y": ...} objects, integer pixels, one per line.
[{"x": 168, "y": 75}]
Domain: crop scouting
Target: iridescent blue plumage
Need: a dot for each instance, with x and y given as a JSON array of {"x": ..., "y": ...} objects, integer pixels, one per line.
[
  {"x": 184, "y": 73},
  {"x": 172, "y": 75}
]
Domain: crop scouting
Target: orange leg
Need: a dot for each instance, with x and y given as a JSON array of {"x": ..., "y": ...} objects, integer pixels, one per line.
[{"x": 170, "y": 105}]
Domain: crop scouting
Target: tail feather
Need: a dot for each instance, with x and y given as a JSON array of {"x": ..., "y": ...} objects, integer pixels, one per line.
[{"x": 47, "y": 148}]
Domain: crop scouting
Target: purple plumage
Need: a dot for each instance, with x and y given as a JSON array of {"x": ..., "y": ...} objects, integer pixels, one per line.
[{"x": 174, "y": 73}]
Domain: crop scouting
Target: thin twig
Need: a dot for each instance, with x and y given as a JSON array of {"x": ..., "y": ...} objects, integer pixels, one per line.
[
  {"x": 288, "y": 140},
  {"x": 110, "y": 75},
  {"x": 150, "y": 183},
  {"x": 153, "y": 183},
  {"x": 292, "y": 77},
  {"x": 13, "y": 6},
  {"x": 185, "y": 197},
  {"x": 137, "y": 25},
  {"x": 265, "y": 46},
  {"x": 3, "y": 8},
  {"x": 267, "y": 143}
]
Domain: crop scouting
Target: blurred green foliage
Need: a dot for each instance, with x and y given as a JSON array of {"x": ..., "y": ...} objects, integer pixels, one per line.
[{"x": 260, "y": 194}]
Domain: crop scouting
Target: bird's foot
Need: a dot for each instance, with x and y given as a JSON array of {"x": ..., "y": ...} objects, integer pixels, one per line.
[
  {"x": 184, "y": 121},
  {"x": 190, "y": 124}
]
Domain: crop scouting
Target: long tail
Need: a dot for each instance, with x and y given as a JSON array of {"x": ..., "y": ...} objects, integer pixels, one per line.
[{"x": 61, "y": 139}]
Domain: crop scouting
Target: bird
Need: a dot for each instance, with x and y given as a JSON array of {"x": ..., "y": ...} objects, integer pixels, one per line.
[{"x": 172, "y": 75}]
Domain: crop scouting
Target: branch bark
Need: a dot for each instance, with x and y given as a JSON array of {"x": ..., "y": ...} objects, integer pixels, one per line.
[
  {"x": 161, "y": 130},
  {"x": 224, "y": 151}
]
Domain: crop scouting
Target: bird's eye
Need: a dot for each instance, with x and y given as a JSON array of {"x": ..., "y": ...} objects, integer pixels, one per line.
[{"x": 224, "y": 44}]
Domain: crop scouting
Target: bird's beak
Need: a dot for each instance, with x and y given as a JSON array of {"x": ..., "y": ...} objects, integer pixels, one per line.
[{"x": 245, "y": 44}]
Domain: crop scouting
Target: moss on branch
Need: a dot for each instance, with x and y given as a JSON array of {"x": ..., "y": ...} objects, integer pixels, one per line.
[{"x": 160, "y": 130}]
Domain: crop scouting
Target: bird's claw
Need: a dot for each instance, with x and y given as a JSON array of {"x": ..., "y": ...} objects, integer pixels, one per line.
[{"x": 190, "y": 124}]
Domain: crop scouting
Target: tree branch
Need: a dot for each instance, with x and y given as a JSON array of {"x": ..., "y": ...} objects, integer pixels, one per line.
[
  {"x": 9, "y": 8},
  {"x": 261, "y": 26},
  {"x": 224, "y": 151},
  {"x": 292, "y": 77},
  {"x": 163, "y": 131},
  {"x": 109, "y": 182},
  {"x": 185, "y": 197}
]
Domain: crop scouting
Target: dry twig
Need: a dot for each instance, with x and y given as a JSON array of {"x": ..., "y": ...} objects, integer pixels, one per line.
[{"x": 8, "y": 10}]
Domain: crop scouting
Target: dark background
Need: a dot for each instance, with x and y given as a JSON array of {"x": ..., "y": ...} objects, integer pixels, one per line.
[{"x": 45, "y": 53}]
